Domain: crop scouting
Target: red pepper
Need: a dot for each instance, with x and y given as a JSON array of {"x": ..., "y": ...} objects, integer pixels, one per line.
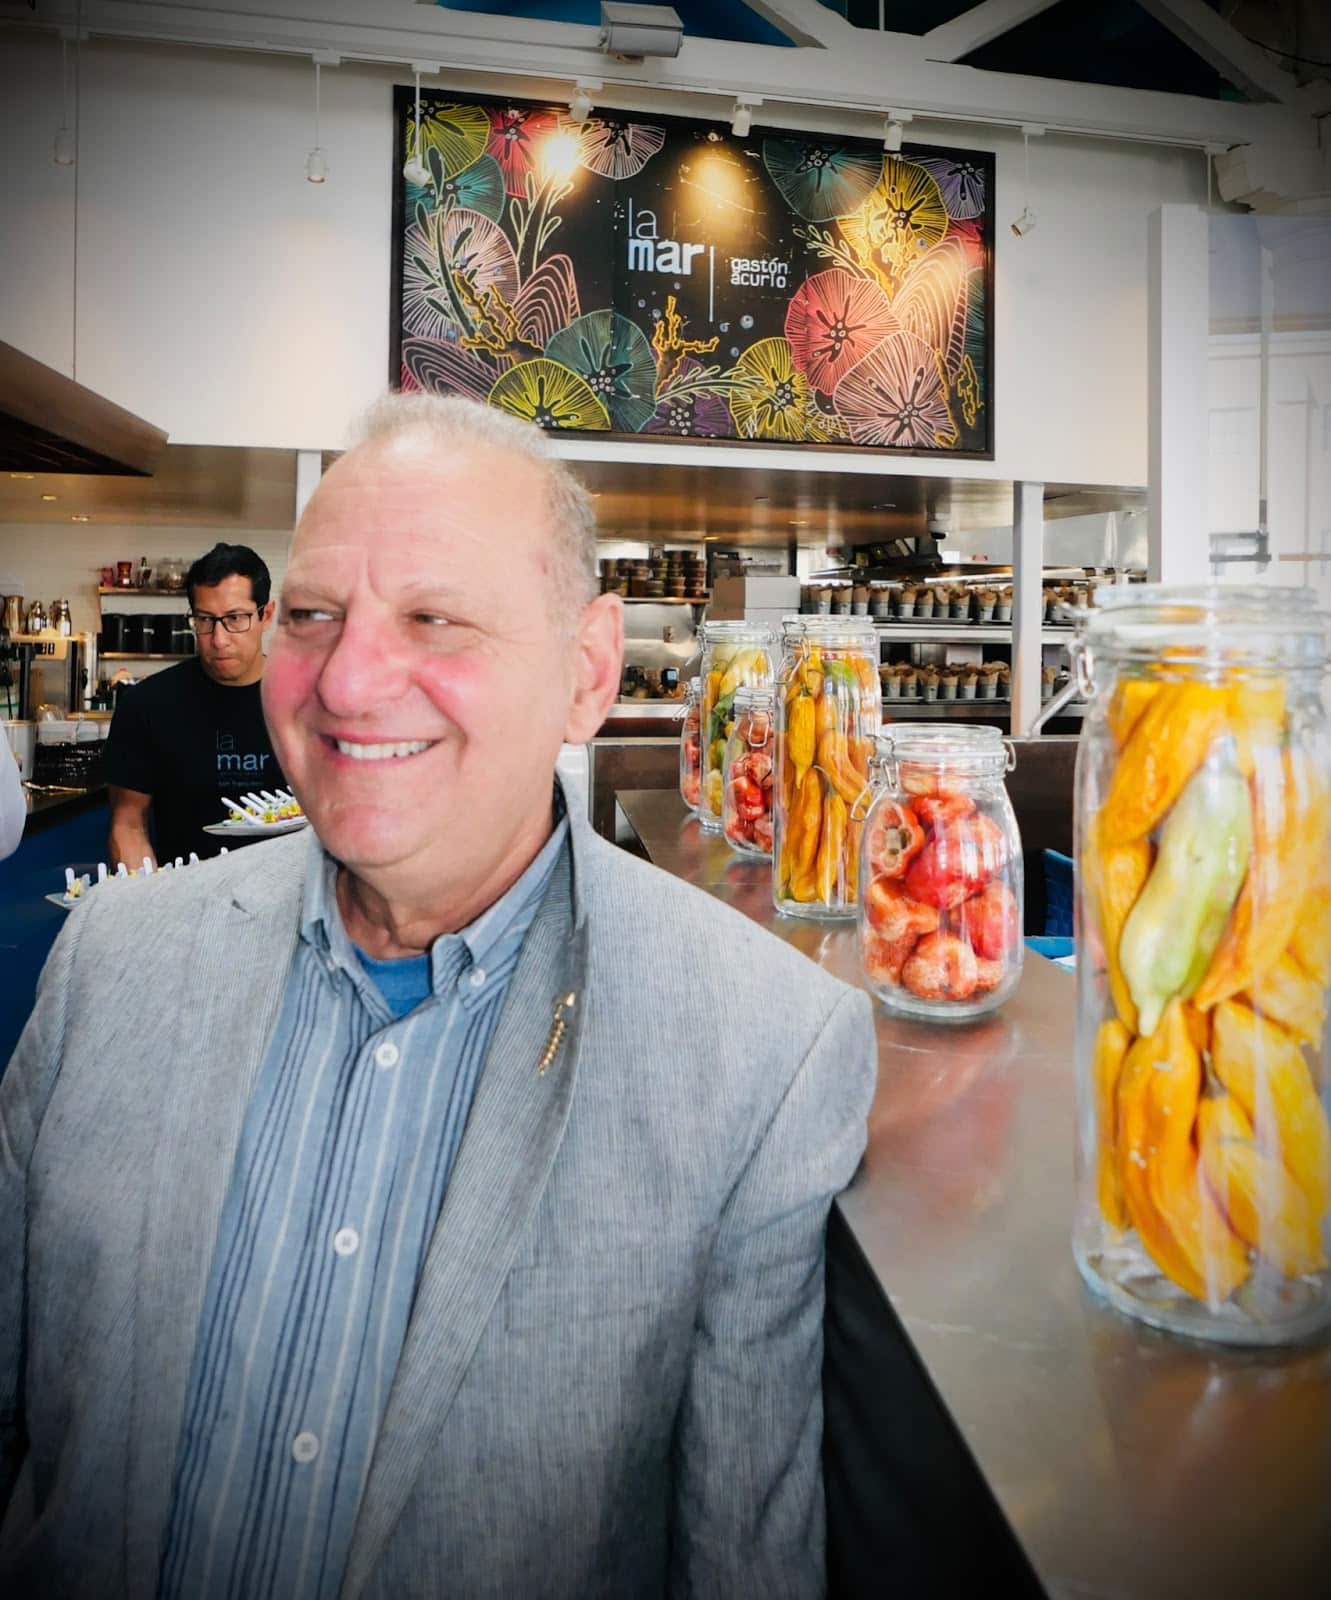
[
  {"x": 958, "y": 860},
  {"x": 896, "y": 839},
  {"x": 944, "y": 807},
  {"x": 896, "y": 924}
]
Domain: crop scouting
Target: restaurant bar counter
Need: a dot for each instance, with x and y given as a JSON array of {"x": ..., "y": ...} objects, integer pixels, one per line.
[{"x": 990, "y": 1427}]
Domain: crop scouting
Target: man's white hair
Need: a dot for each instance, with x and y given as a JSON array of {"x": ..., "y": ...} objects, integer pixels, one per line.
[{"x": 451, "y": 421}]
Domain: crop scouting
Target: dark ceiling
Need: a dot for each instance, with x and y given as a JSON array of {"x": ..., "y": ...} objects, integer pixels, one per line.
[{"x": 1080, "y": 41}]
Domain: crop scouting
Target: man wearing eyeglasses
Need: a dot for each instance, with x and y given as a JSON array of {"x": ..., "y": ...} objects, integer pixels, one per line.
[{"x": 185, "y": 738}]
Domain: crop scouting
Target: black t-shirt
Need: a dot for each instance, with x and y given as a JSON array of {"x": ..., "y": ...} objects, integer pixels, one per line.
[{"x": 187, "y": 741}]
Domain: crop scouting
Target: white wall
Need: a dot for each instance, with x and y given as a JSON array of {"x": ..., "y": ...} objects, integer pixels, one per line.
[{"x": 230, "y": 302}]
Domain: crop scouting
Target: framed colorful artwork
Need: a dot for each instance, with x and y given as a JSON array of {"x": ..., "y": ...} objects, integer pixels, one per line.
[{"x": 663, "y": 277}]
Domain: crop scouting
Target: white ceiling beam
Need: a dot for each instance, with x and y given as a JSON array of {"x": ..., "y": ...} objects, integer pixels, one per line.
[
  {"x": 979, "y": 26},
  {"x": 804, "y": 22},
  {"x": 858, "y": 73},
  {"x": 1222, "y": 46}
]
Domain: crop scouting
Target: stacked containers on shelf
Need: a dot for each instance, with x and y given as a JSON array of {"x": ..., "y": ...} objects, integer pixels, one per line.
[
  {"x": 828, "y": 708},
  {"x": 747, "y": 774},
  {"x": 941, "y": 901},
  {"x": 735, "y": 655},
  {"x": 1204, "y": 959},
  {"x": 690, "y": 750}
]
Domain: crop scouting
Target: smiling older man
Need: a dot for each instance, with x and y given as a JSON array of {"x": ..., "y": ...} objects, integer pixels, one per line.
[{"x": 432, "y": 1204}]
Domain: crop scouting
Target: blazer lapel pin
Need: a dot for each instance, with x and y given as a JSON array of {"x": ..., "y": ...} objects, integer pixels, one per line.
[{"x": 558, "y": 1028}]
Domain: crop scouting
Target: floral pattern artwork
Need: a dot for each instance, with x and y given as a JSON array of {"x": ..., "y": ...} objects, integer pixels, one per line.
[
  {"x": 933, "y": 300},
  {"x": 664, "y": 278},
  {"x": 457, "y": 132},
  {"x": 615, "y": 357},
  {"x": 617, "y": 149},
  {"x": 451, "y": 266},
  {"x": 897, "y": 396},
  {"x": 834, "y": 321},
  {"x": 551, "y": 396},
  {"x": 515, "y": 135},
  {"x": 685, "y": 412},
  {"x": 819, "y": 181},
  {"x": 771, "y": 400},
  {"x": 960, "y": 181}
]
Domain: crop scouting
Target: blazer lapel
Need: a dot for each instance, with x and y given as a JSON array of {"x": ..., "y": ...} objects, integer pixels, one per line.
[
  {"x": 237, "y": 965},
  {"x": 512, "y": 1137}
]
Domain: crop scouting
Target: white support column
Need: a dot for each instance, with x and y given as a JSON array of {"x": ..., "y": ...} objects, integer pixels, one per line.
[
  {"x": 1027, "y": 602},
  {"x": 309, "y": 469},
  {"x": 1179, "y": 333}
]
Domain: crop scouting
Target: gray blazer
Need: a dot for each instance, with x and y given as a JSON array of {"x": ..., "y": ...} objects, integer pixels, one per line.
[{"x": 610, "y": 1383}]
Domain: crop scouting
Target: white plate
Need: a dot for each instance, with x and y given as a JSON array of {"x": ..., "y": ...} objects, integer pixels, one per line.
[{"x": 255, "y": 830}]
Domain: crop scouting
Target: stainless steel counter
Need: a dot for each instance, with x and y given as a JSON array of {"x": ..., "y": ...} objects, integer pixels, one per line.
[{"x": 1129, "y": 1464}]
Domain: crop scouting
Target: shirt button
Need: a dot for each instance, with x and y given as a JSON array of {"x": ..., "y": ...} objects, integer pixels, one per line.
[
  {"x": 387, "y": 1054},
  {"x": 346, "y": 1241},
  {"x": 304, "y": 1448},
  {"x": 475, "y": 979}
]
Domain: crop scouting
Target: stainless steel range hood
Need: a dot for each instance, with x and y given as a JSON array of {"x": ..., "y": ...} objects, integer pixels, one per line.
[{"x": 49, "y": 423}]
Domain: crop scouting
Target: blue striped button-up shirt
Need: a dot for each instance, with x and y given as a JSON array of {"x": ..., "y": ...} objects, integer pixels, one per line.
[{"x": 344, "y": 1158}]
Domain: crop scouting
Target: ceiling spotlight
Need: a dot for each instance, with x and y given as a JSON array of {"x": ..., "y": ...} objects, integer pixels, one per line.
[
  {"x": 414, "y": 169},
  {"x": 580, "y": 104},
  {"x": 894, "y": 130},
  {"x": 316, "y": 167},
  {"x": 741, "y": 115},
  {"x": 64, "y": 149},
  {"x": 1025, "y": 223}
]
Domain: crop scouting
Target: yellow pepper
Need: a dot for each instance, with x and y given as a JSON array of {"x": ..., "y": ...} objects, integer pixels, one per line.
[
  {"x": 1167, "y": 745},
  {"x": 1111, "y": 1047},
  {"x": 831, "y": 849},
  {"x": 1290, "y": 815},
  {"x": 800, "y": 736},
  {"x": 1178, "y": 1219},
  {"x": 1114, "y": 877}
]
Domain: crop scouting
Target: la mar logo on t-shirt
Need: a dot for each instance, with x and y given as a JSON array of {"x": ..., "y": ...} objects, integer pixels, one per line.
[{"x": 230, "y": 760}]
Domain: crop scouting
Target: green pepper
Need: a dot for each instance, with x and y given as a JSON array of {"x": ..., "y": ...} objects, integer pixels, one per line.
[{"x": 1179, "y": 918}]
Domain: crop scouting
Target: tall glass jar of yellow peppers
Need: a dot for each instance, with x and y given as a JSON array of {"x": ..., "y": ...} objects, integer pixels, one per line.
[
  {"x": 828, "y": 715},
  {"x": 735, "y": 655},
  {"x": 1204, "y": 961}
]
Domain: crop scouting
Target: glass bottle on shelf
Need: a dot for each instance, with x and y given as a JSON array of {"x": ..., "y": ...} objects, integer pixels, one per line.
[
  {"x": 1203, "y": 846},
  {"x": 735, "y": 655},
  {"x": 828, "y": 710},
  {"x": 746, "y": 772},
  {"x": 941, "y": 904},
  {"x": 690, "y": 750}
]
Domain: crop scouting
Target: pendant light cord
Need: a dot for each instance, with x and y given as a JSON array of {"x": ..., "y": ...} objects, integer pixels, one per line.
[
  {"x": 317, "y": 144},
  {"x": 78, "y": 99},
  {"x": 1026, "y": 148}
]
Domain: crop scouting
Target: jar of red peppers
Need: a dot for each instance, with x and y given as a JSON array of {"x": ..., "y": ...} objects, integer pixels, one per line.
[
  {"x": 746, "y": 803},
  {"x": 828, "y": 710},
  {"x": 690, "y": 749},
  {"x": 735, "y": 655},
  {"x": 1204, "y": 961},
  {"x": 941, "y": 874}
]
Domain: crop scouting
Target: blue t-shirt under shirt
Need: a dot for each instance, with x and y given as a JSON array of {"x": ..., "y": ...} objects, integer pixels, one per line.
[{"x": 404, "y": 981}]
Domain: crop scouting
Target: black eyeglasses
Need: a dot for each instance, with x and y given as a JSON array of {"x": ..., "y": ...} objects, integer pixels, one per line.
[{"x": 233, "y": 621}]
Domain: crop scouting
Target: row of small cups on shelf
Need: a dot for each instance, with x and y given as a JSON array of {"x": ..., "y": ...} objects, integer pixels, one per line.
[
  {"x": 989, "y": 682},
  {"x": 77, "y": 887}
]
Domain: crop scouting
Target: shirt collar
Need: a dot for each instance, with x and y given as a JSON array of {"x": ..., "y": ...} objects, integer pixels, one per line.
[{"x": 322, "y": 928}]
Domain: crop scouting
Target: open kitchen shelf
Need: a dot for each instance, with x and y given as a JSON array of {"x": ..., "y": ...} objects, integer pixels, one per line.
[
  {"x": 165, "y": 594},
  {"x": 146, "y": 655},
  {"x": 919, "y": 629}
]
